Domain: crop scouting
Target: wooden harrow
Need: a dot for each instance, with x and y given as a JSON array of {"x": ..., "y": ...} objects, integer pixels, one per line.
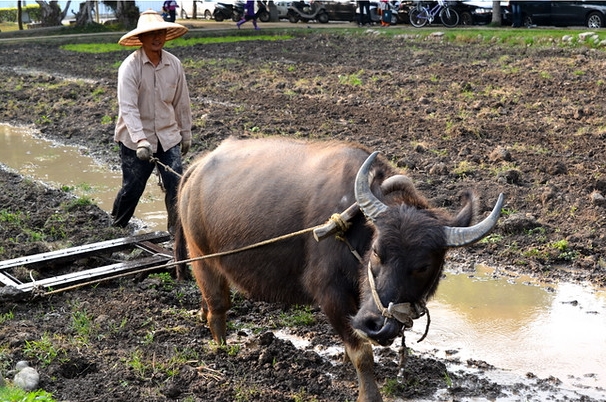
[{"x": 154, "y": 255}]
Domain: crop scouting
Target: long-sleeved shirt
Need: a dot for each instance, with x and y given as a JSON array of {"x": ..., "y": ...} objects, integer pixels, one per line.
[{"x": 153, "y": 102}]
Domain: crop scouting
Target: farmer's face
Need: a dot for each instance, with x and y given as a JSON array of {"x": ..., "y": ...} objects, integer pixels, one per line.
[{"x": 154, "y": 40}]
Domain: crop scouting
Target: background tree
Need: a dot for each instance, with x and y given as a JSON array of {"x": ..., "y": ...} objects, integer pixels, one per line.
[
  {"x": 126, "y": 12},
  {"x": 51, "y": 14},
  {"x": 496, "y": 13},
  {"x": 85, "y": 15}
]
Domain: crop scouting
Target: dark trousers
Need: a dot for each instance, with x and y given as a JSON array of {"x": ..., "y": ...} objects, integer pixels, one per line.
[
  {"x": 135, "y": 174},
  {"x": 364, "y": 12},
  {"x": 516, "y": 11}
]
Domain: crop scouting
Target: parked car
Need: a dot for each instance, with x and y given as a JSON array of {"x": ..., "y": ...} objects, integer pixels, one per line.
[
  {"x": 322, "y": 11},
  {"x": 282, "y": 7},
  {"x": 473, "y": 12},
  {"x": 204, "y": 9},
  {"x": 591, "y": 14}
]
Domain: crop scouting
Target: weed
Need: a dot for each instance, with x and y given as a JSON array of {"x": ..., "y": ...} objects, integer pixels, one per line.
[
  {"x": 82, "y": 324},
  {"x": 447, "y": 379},
  {"x": 464, "y": 168},
  {"x": 137, "y": 364},
  {"x": 353, "y": 80},
  {"x": 14, "y": 394},
  {"x": 10, "y": 217},
  {"x": 492, "y": 238},
  {"x": 43, "y": 350},
  {"x": 302, "y": 396},
  {"x": 106, "y": 120},
  {"x": 392, "y": 387},
  {"x": 166, "y": 281},
  {"x": 78, "y": 202},
  {"x": 6, "y": 317},
  {"x": 299, "y": 316}
]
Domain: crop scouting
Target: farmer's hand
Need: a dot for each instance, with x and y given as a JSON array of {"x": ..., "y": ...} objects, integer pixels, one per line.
[
  {"x": 185, "y": 144},
  {"x": 144, "y": 151}
]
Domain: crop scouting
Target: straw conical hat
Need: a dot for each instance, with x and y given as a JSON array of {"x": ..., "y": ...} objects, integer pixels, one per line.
[{"x": 150, "y": 21}]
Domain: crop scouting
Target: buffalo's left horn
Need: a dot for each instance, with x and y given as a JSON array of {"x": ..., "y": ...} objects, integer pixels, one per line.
[
  {"x": 369, "y": 204},
  {"x": 463, "y": 236}
]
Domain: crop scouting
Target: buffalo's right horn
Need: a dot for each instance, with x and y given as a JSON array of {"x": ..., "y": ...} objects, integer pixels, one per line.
[
  {"x": 369, "y": 204},
  {"x": 463, "y": 236}
]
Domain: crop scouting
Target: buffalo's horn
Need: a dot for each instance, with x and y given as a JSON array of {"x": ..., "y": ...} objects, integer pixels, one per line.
[
  {"x": 370, "y": 205},
  {"x": 397, "y": 182},
  {"x": 463, "y": 236}
]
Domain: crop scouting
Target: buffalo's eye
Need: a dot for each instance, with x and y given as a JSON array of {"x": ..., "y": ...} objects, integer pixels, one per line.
[
  {"x": 422, "y": 269},
  {"x": 375, "y": 256}
]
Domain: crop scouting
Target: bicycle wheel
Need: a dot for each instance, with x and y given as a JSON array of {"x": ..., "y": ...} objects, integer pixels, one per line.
[
  {"x": 418, "y": 17},
  {"x": 449, "y": 17}
]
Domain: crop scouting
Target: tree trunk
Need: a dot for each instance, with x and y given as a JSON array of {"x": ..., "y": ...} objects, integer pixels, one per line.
[
  {"x": 127, "y": 13},
  {"x": 496, "y": 13},
  {"x": 51, "y": 12},
  {"x": 85, "y": 15},
  {"x": 20, "y": 15}
]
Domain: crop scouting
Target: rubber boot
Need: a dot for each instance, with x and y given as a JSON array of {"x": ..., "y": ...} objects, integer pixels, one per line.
[
  {"x": 239, "y": 23},
  {"x": 255, "y": 24}
]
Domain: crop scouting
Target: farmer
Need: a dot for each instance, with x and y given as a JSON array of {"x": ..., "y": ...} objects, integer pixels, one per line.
[{"x": 154, "y": 115}]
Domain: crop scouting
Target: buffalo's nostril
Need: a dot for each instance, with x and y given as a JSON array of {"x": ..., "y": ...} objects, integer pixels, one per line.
[
  {"x": 373, "y": 325},
  {"x": 377, "y": 328}
]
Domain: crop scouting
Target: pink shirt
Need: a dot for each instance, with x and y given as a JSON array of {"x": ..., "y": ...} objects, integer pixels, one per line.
[{"x": 153, "y": 102}]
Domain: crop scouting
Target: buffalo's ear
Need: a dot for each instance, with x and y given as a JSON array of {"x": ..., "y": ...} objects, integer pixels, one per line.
[{"x": 466, "y": 214}]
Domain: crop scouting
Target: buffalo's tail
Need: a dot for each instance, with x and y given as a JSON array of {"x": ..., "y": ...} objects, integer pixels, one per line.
[{"x": 180, "y": 252}]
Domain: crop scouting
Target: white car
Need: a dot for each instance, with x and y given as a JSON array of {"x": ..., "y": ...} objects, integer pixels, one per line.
[{"x": 204, "y": 9}]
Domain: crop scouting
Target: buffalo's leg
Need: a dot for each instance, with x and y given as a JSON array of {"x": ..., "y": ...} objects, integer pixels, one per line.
[
  {"x": 362, "y": 358},
  {"x": 215, "y": 298},
  {"x": 339, "y": 307}
]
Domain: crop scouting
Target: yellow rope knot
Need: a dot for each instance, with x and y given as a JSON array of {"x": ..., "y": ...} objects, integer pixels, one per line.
[{"x": 341, "y": 224}]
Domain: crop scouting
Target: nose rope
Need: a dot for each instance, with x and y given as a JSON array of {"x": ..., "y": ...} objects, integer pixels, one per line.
[{"x": 401, "y": 312}]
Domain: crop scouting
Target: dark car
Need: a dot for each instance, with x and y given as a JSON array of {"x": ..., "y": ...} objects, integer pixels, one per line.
[
  {"x": 322, "y": 11},
  {"x": 591, "y": 14},
  {"x": 473, "y": 12}
]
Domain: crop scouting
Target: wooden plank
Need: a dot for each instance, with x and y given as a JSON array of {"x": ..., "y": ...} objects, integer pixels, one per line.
[
  {"x": 95, "y": 273},
  {"x": 75, "y": 253}
]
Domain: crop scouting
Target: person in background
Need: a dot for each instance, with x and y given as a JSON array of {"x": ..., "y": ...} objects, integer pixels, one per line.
[
  {"x": 364, "y": 7},
  {"x": 516, "y": 12},
  {"x": 250, "y": 14},
  {"x": 170, "y": 7},
  {"x": 385, "y": 13},
  {"x": 154, "y": 115}
]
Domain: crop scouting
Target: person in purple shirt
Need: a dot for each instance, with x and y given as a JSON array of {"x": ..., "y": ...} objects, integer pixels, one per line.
[{"x": 250, "y": 14}]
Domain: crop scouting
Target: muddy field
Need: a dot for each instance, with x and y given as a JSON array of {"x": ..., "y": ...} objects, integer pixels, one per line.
[{"x": 525, "y": 121}]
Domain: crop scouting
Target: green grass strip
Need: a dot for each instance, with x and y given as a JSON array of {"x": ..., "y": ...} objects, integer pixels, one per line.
[{"x": 179, "y": 42}]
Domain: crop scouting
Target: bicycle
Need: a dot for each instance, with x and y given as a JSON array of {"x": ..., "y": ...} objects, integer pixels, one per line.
[{"x": 421, "y": 14}]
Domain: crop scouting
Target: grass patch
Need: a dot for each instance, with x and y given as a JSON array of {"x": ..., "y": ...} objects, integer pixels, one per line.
[
  {"x": 179, "y": 42},
  {"x": 13, "y": 394}
]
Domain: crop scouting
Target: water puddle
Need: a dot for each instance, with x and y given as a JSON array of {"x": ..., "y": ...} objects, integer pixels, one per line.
[
  {"x": 518, "y": 326},
  {"x": 60, "y": 165}
]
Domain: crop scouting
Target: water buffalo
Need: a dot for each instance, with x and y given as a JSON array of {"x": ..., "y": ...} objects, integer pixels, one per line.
[{"x": 247, "y": 191}]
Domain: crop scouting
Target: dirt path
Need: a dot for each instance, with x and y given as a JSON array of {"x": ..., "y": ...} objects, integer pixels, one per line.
[{"x": 528, "y": 122}]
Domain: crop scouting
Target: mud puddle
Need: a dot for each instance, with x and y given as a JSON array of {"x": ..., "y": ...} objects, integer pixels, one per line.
[
  {"x": 66, "y": 166},
  {"x": 513, "y": 331}
]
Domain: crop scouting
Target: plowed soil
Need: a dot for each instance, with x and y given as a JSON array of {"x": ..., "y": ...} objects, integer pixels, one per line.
[{"x": 526, "y": 121}]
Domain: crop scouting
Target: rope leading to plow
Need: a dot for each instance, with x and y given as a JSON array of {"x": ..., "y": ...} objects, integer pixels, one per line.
[{"x": 203, "y": 257}]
